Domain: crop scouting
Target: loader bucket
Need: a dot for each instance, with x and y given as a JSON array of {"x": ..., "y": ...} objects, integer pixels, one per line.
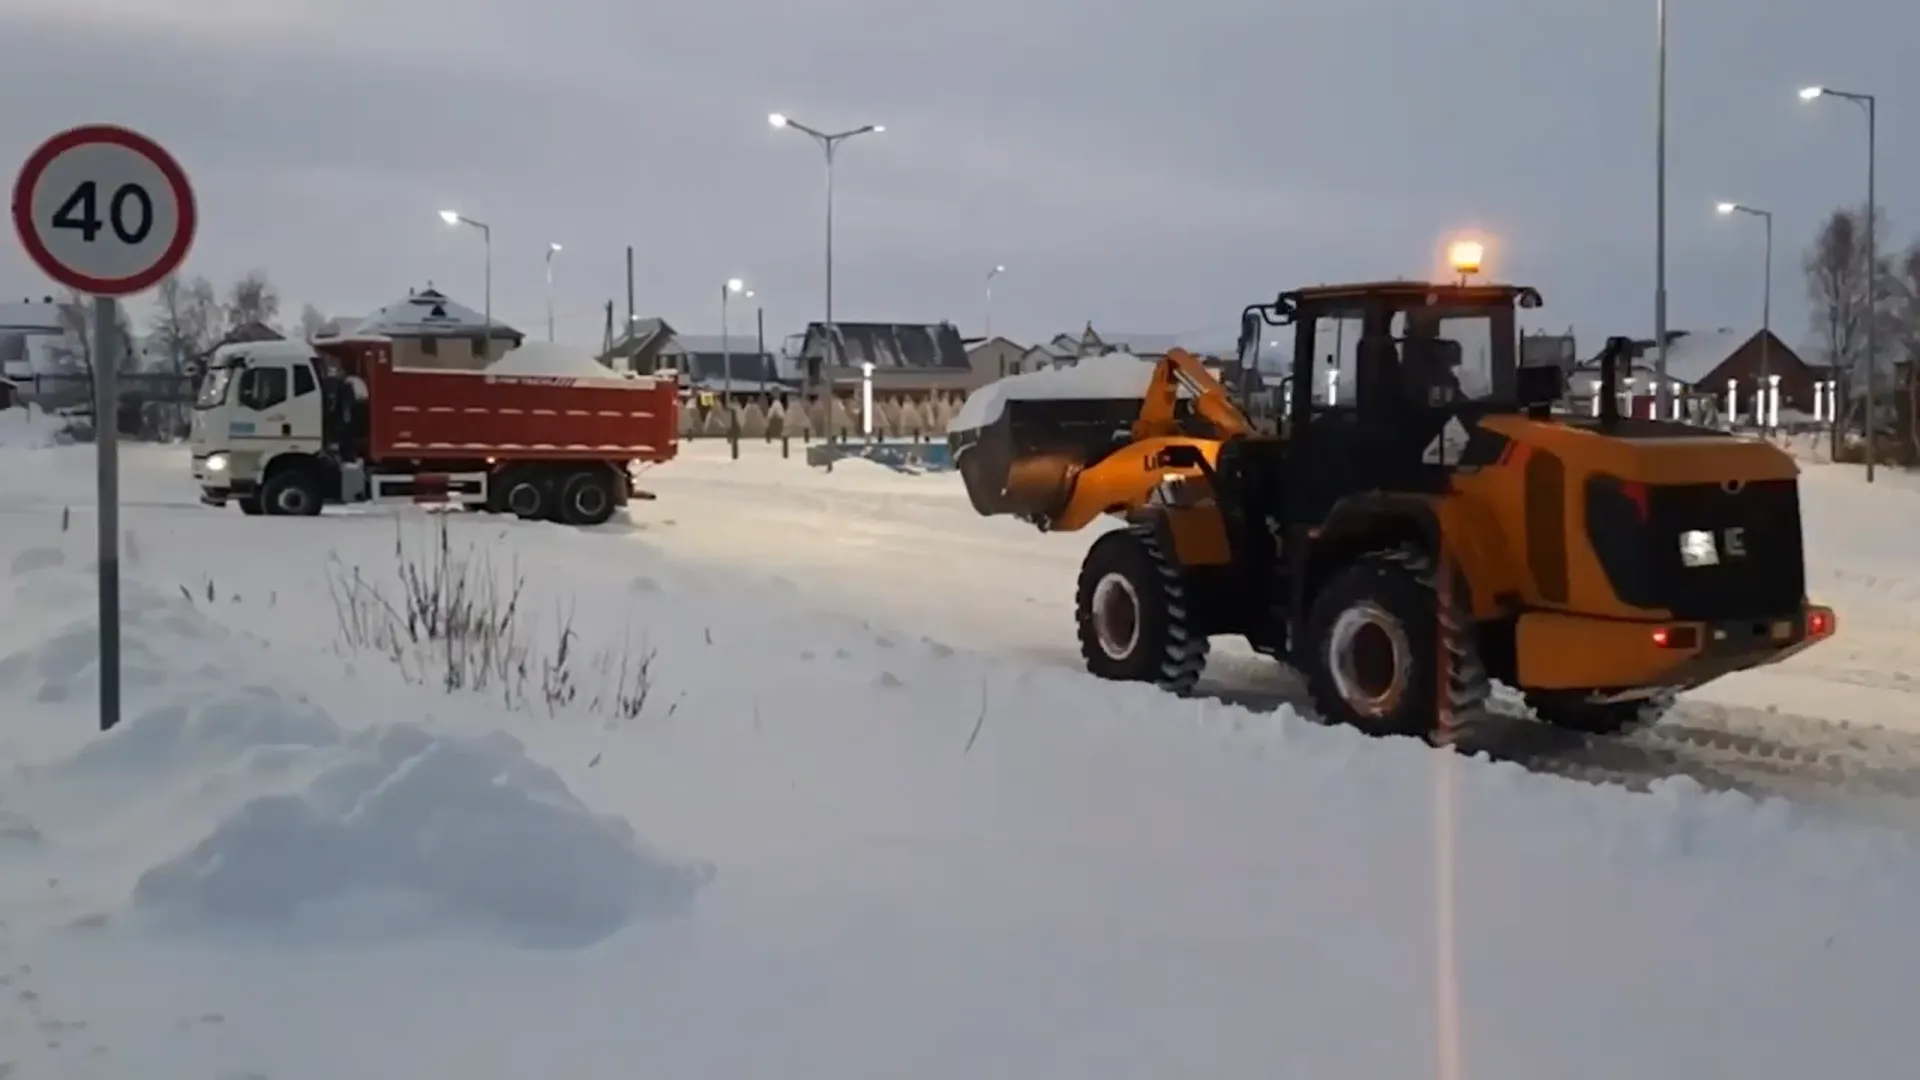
[{"x": 1024, "y": 461}]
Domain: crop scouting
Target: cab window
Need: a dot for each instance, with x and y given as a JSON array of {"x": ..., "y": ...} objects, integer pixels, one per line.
[
  {"x": 263, "y": 387},
  {"x": 303, "y": 383}
]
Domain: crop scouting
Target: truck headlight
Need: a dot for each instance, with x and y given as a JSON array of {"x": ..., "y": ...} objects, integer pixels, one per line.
[
  {"x": 1697, "y": 548},
  {"x": 216, "y": 463}
]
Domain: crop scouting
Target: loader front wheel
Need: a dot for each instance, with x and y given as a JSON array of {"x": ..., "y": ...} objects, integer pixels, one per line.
[
  {"x": 1135, "y": 616},
  {"x": 1374, "y": 662}
]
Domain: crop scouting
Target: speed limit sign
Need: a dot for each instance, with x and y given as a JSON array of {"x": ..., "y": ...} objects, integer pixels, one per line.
[{"x": 104, "y": 210}]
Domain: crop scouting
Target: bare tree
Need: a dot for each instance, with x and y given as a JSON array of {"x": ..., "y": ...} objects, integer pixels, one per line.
[
  {"x": 76, "y": 350},
  {"x": 311, "y": 322},
  {"x": 252, "y": 299},
  {"x": 1837, "y": 275},
  {"x": 1904, "y": 344},
  {"x": 186, "y": 320}
]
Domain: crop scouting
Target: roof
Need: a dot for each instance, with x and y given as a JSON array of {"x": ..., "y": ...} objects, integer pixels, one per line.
[
  {"x": 715, "y": 365},
  {"x": 637, "y": 336},
  {"x": 716, "y": 344},
  {"x": 1692, "y": 357},
  {"x": 430, "y": 313},
  {"x": 1140, "y": 344},
  {"x": 974, "y": 345},
  {"x": 900, "y": 346}
]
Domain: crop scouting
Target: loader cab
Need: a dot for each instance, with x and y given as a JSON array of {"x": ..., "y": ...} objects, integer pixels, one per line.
[{"x": 1379, "y": 372}]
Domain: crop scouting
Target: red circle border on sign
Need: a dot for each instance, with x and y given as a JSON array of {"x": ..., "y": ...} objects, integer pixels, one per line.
[{"x": 109, "y": 134}]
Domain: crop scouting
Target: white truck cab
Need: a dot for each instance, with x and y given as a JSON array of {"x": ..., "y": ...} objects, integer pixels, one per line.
[{"x": 261, "y": 407}]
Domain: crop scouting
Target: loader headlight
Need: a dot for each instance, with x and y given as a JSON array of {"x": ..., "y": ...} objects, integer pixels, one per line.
[
  {"x": 216, "y": 463},
  {"x": 1697, "y": 548}
]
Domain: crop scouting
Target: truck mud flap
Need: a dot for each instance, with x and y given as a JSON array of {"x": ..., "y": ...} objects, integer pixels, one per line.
[{"x": 1025, "y": 461}]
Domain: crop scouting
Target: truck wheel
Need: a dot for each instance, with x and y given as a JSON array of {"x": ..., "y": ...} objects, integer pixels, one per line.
[
  {"x": 294, "y": 493},
  {"x": 586, "y": 498},
  {"x": 250, "y": 505},
  {"x": 524, "y": 495},
  {"x": 1374, "y": 639},
  {"x": 1135, "y": 622},
  {"x": 1599, "y": 718}
]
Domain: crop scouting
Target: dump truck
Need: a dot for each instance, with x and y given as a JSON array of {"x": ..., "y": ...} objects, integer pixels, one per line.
[
  {"x": 288, "y": 427},
  {"x": 1408, "y": 544}
]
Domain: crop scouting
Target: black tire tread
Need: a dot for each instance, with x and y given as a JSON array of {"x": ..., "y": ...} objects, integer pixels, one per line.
[{"x": 1183, "y": 655}]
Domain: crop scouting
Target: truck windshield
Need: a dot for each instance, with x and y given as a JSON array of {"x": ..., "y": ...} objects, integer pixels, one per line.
[{"x": 213, "y": 392}]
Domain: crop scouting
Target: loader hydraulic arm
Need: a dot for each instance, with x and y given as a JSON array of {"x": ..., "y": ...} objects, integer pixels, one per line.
[{"x": 1178, "y": 369}]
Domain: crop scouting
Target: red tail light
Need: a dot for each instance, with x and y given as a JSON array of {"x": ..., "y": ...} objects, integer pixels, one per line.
[{"x": 1820, "y": 623}]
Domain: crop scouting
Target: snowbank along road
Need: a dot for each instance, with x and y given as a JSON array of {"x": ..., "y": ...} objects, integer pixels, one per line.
[{"x": 794, "y": 776}]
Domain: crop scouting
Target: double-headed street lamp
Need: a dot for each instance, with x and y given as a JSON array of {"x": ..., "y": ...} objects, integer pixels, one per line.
[
  {"x": 1866, "y": 102},
  {"x": 1728, "y": 209},
  {"x": 829, "y": 145},
  {"x": 552, "y": 250},
  {"x": 455, "y": 217}
]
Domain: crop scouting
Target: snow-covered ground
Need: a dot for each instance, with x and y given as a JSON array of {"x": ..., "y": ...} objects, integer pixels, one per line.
[{"x": 866, "y": 820}]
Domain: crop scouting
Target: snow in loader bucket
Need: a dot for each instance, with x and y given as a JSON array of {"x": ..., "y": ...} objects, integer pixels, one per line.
[{"x": 1020, "y": 441}]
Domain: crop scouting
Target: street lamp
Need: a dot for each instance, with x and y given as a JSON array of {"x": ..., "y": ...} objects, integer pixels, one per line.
[
  {"x": 732, "y": 287},
  {"x": 1867, "y": 102},
  {"x": 552, "y": 250},
  {"x": 991, "y": 274},
  {"x": 455, "y": 217},
  {"x": 1727, "y": 209},
  {"x": 1660, "y": 210},
  {"x": 829, "y": 145}
]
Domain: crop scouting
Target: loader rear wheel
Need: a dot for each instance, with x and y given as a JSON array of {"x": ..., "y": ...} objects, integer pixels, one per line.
[
  {"x": 1575, "y": 713},
  {"x": 1135, "y": 620},
  {"x": 1376, "y": 631}
]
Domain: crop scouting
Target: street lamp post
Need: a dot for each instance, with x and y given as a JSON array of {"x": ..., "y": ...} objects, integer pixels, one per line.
[
  {"x": 732, "y": 287},
  {"x": 829, "y": 145},
  {"x": 991, "y": 274},
  {"x": 552, "y": 250},
  {"x": 455, "y": 217},
  {"x": 1766, "y": 288},
  {"x": 1867, "y": 102},
  {"x": 1660, "y": 212}
]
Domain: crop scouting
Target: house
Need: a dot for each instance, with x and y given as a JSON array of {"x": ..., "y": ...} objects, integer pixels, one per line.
[
  {"x": 909, "y": 359},
  {"x": 721, "y": 364},
  {"x": 30, "y": 334},
  {"x": 1704, "y": 363},
  {"x": 639, "y": 347},
  {"x": 429, "y": 330},
  {"x": 994, "y": 358},
  {"x": 1090, "y": 342}
]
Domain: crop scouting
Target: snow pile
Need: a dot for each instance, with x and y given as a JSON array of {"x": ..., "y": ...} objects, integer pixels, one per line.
[
  {"x": 27, "y": 428},
  {"x": 250, "y": 807},
  {"x": 408, "y": 833},
  {"x": 1115, "y": 375},
  {"x": 539, "y": 358}
]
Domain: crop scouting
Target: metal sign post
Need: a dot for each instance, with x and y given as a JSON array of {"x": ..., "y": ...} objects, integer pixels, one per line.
[{"x": 106, "y": 211}]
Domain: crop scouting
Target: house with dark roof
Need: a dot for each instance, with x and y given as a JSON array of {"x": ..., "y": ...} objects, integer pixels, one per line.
[
  {"x": 909, "y": 359},
  {"x": 430, "y": 330},
  {"x": 722, "y": 364},
  {"x": 1705, "y": 362},
  {"x": 639, "y": 346},
  {"x": 994, "y": 358}
]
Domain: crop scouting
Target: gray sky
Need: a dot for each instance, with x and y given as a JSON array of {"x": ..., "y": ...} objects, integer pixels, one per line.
[{"x": 1149, "y": 166}]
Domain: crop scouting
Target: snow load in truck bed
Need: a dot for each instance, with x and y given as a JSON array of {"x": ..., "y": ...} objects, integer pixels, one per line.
[
  {"x": 1110, "y": 377},
  {"x": 564, "y": 361}
]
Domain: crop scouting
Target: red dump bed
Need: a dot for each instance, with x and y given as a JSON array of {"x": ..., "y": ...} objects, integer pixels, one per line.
[{"x": 425, "y": 413}]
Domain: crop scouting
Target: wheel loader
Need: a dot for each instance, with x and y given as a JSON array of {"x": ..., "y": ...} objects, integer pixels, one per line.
[{"x": 1411, "y": 544}]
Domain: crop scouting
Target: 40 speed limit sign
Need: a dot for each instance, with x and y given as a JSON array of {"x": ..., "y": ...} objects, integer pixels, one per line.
[{"x": 104, "y": 210}]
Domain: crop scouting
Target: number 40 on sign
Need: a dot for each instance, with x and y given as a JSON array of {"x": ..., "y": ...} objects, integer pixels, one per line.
[{"x": 104, "y": 210}]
